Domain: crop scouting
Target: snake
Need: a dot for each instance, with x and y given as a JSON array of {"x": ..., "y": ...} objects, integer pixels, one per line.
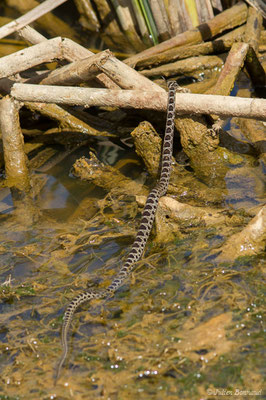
[{"x": 146, "y": 223}]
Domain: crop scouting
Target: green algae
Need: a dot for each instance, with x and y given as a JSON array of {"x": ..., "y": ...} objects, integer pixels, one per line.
[{"x": 182, "y": 326}]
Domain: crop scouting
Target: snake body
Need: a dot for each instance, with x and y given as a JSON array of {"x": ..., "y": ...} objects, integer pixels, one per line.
[{"x": 143, "y": 233}]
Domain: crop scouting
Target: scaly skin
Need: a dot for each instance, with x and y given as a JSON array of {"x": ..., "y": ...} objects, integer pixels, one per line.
[{"x": 143, "y": 233}]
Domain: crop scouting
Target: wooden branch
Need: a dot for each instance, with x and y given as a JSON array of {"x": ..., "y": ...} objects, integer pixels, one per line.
[
  {"x": 29, "y": 17},
  {"x": 114, "y": 74},
  {"x": 187, "y": 103},
  {"x": 253, "y": 28},
  {"x": 234, "y": 63},
  {"x": 121, "y": 75},
  {"x": 183, "y": 67},
  {"x": 66, "y": 120},
  {"x": 31, "y": 35},
  {"x": 220, "y": 45},
  {"x": 228, "y": 19},
  {"x": 13, "y": 144},
  {"x": 250, "y": 241},
  {"x": 106, "y": 176},
  {"x": 76, "y": 72},
  {"x": 46, "y": 51},
  {"x": 69, "y": 50},
  {"x": 126, "y": 77}
]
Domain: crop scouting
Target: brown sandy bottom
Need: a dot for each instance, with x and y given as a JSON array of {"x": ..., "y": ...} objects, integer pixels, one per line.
[{"x": 183, "y": 327}]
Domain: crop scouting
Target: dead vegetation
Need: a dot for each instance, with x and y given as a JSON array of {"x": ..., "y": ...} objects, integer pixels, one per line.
[{"x": 204, "y": 253}]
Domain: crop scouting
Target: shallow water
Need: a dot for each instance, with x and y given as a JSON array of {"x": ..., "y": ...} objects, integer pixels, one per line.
[{"x": 183, "y": 327}]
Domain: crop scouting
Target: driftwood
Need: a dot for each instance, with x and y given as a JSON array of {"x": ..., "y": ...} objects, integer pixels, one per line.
[
  {"x": 228, "y": 19},
  {"x": 109, "y": 178},
  {"x": 124, "y": 87},
  {"x": 16, "y": 162},
  {"x": 188, "y": 215},
  {"x": 253, "y": 28},
  {"x": 205, "y": 149},
  {"x": 148, "y": 145},
  {"x": 252, "y": 36},
  {"x": 187, "y": 103},
  {"x": 31, "y": 16},
  {"x": 185, "y": 67},
  {"x": 255, "y": 131},
  {"x": 51, "y": 24},
  {"x": 248, "y": 242},
  {"x": 15, "y": 159},
  {"x": 105, "y": 176},
  {"x": 220, "y": 45},
  {"x": 234, "y": 63},
  {"x": 183, "y": 185}
]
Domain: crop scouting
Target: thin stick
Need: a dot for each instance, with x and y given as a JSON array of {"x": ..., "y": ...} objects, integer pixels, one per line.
[
  {"x": 29, "y": 17},
  {"x": 187, "y": 103}
]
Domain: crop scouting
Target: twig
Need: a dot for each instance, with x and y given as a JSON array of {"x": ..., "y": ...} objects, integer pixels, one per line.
[
  {"x": 29, "y": 17},
  {"x": 187, "y": 103}
]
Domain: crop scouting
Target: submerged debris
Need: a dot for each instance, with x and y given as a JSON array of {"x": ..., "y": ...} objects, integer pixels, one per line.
[{"x": 191, "y": 320}]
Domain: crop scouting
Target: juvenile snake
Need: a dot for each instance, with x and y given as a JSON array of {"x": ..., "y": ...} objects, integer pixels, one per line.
[{"x": 146, "y": 223}]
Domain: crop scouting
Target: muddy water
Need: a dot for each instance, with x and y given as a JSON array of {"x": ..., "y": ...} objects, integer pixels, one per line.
[{"x": 183, "y": 327}]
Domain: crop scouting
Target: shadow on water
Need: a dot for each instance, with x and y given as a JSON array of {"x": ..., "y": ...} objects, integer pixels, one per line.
[{"x": 183, "y": 327}]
